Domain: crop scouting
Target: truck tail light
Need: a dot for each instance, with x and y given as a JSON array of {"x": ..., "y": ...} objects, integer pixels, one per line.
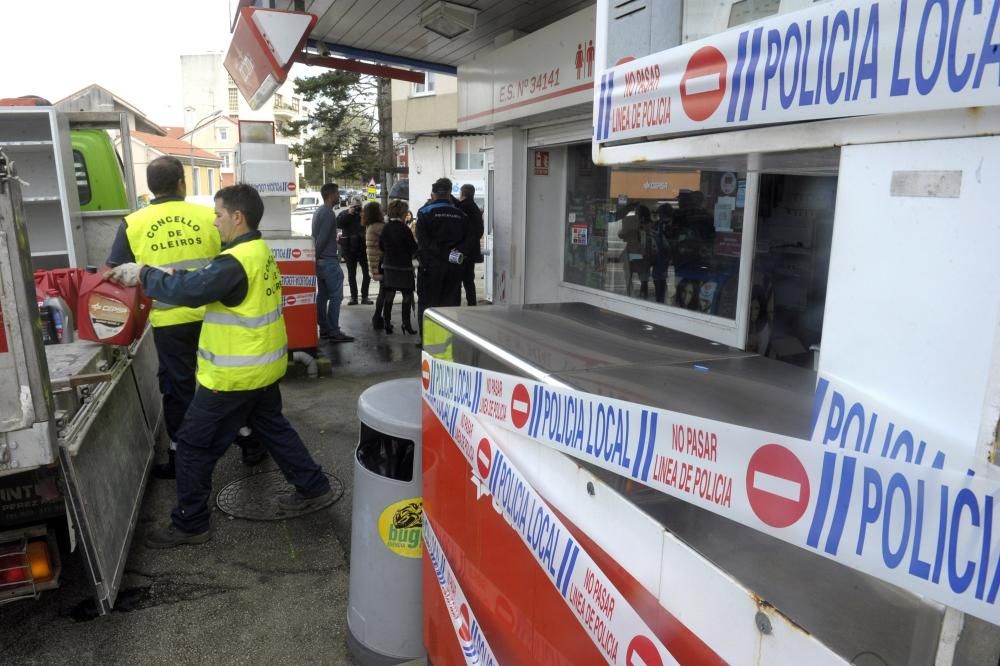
[
  {"x": 25, "y": 563},
  {"x": 39, "y": 561}
]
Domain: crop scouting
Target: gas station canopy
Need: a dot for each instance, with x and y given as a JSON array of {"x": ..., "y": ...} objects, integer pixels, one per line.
[{"x": 410, "y": 33}]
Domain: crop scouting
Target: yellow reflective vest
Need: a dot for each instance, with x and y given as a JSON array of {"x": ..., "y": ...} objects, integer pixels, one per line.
[
  {"x": 173, "y": 234},
  {"x": 437, "y": 340},
  {"x": 245, "y": 347}
]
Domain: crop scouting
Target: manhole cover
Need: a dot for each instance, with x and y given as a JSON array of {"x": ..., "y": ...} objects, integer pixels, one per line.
[{"x": 255, "y": 497}]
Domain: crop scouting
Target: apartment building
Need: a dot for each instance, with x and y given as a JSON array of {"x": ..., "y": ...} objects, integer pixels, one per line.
[
  {"x": 213, "y": 108},
  {"x": 426, "y": 115}
]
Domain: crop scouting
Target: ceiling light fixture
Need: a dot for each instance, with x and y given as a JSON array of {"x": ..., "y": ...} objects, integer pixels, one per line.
[{"x": 448, "y": 19}]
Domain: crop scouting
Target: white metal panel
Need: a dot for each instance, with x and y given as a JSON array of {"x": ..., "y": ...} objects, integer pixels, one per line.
[
  {"x": 546, "y": 71},
  {"x": 545, "y": 228},
  {"x": 912, "y": 302},
  {"x": 488, "y": 221},
  {"x": 509, "y": 216}
]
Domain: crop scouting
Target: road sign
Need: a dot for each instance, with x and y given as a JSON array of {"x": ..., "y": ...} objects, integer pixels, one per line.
[
  {"x": 425, "y": 374},
  {"x": 704, "y": 83},
  {"x": 264, "y": 44},
  {"x": 484, "y": 458},
  {"x": 642, "y": 652},
  {"x": 777, "y": 485},
  {"x": 520, "y": 406}
]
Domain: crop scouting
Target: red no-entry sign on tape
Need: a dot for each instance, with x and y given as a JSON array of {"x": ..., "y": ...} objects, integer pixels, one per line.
[{"x": 777, "y": 486}]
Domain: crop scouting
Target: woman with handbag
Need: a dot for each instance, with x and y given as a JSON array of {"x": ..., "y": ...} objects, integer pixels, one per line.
[{"x": 398, "y": 249}]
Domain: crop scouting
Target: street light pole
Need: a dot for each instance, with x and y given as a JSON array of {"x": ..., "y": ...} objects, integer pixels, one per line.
[{"x": 197, "y": 126}]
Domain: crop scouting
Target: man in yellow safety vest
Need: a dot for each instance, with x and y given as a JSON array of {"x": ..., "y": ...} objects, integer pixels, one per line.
[
  {"x": 242, "y": 353},
  {"x": 172, "y": 234}
]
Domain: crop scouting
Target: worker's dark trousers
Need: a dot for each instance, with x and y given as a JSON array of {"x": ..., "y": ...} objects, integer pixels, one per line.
[
  {"x": 212, "y": 422},
  {"x": 177, "y": 350}
]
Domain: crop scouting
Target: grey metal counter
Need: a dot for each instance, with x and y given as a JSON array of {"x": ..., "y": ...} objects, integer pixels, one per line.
[{"x": 598, "y": 351}]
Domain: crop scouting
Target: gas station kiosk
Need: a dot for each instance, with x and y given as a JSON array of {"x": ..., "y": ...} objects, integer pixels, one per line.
[{"x": 741, "y": 401}]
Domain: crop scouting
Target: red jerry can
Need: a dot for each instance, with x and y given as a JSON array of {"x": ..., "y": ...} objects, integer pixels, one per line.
[{"x": 111, "y": 313}]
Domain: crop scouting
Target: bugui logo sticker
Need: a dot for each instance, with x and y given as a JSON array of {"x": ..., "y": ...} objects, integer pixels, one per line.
[{"x": 400, "y": 526}]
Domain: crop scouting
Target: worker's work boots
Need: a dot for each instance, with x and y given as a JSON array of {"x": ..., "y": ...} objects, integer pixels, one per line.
[{"x": 170, "y": 536}]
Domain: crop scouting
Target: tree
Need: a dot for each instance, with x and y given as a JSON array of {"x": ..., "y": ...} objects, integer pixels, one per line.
[{"x": 342, "y": 131}]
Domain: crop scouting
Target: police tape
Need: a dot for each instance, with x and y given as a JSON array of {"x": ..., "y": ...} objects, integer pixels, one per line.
[
  {"x": 613, "y": 625},
  {"x": 290, "y": 300},
  {"x": 930, "y": 531},
  {"x": 475, "y": 648},
  {"x": 298, "y": 280},
  {"x": 828, "y": 61}
]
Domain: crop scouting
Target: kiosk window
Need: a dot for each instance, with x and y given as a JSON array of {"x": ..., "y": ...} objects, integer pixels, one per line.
[
  {"x": 791, "y": 263},
  {"x": 659, "y": 235}
]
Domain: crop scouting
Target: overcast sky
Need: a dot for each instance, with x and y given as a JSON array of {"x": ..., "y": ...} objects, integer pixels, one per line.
[{"x": 131, "y": 47}]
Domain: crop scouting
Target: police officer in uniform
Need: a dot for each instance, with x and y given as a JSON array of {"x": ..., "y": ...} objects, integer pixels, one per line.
[
  {"x": 442, "y": 247},
  {"x": 242, "y": 353},
  {"x": 172, "y": 234},
  {"x": 467, "y": 203}
]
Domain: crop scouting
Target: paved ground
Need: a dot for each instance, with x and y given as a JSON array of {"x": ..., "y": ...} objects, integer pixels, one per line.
[{"x": 259, "y": 592}]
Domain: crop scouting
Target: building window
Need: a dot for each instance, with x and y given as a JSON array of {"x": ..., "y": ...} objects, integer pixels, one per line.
[
  {"x": 223, "y": 133},
  {"x": 195, "y": 184},
  {"x": 295, "y": 104},
  {"x": 211, "y": 180},
  {"x": 279, "y": 102},
  {"x": 234, "y": 101},
  {"x": 225, "y": 160},
  {"x": 664, "y": 235},
  {"x": 467, "y": 153},
  {"x": 425, "y": 88}
]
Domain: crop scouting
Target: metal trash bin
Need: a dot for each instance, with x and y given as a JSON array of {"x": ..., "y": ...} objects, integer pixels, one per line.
[{"x": 384, "y": 616}]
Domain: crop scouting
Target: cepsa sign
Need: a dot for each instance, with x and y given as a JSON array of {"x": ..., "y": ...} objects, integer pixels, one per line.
[{"x": 833, "y": 60}]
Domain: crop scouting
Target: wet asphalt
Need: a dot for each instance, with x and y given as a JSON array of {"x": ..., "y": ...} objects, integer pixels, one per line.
[{"x": 258, "y": 592}]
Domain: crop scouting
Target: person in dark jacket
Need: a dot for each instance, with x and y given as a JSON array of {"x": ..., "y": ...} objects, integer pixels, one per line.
[
  {"x": 352, "y": 248},
  {"x": 442, "y": 247},
  {"x": 398, "y": 249},
  {"x": 695, "y": 231},
  {"x": 468, "y": 205}
]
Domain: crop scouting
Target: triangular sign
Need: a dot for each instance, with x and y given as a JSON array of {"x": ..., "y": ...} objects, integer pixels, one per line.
[{"x": 371, "y": 183}]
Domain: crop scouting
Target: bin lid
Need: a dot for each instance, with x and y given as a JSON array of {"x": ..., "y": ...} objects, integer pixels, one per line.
[{"x": 393, "y": 408}]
